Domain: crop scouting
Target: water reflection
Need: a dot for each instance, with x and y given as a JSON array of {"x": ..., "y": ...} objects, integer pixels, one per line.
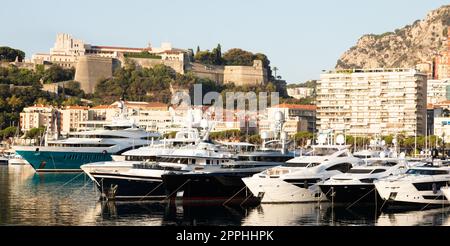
[
  {"x": 431, "y": 217},
  {"x": 153, "y": 213},
  {"x": 28, "y": 198}
]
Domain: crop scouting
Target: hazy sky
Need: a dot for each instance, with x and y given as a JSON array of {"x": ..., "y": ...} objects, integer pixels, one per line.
[{"x": 301, "y": 38}]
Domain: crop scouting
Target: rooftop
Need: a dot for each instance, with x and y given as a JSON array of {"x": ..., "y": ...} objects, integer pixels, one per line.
[
  {"x": 372, "y": 70},
  {"x": 296, "y": 106},
  {"x": 119, "y": 48}
]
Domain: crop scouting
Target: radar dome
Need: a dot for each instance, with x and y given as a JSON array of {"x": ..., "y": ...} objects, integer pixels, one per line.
[{"x": 279, "y": 116}]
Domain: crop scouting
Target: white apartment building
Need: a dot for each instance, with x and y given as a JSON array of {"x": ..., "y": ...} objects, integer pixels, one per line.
[
  {"x": 300, "y": 92},
  {"x": 437, "y": 90},
  {"x": 442, "y": 128},
  {"x": 37, "y": 116},
  {"x": 72, "y": 117},
  {"x": 372, "y": 101}
]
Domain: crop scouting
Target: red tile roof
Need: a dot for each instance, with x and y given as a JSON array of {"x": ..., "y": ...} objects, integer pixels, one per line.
[
  {"x": 77, "y": 107},
  {"x": 103, "y": 107},
  {"x": 296, "y": 106},
  {"x": 119, "y": 48}
]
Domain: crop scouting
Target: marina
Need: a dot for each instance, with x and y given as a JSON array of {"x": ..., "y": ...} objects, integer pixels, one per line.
[{"x": 30, "y": 198}]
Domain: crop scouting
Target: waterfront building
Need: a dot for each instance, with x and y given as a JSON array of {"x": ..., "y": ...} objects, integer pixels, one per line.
[
  {"x": 297, "y": 118},
  {"x": 438, "y": 90},
  {"x": 300, "y": 92},
  {"x": 72, "y": 116},
  {"x": 372, "y": 101},
  {"x": 442, "y": 128},
  {"x": 38, "y": 116}
]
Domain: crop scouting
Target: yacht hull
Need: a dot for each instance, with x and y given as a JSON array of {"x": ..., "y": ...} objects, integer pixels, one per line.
[
  {"x": 211, "y": 187},
  {"x": 446, "y": 192},
  {"x": 358, "y": 194},
  {"x": 405, "y": 195},
  {"x": 275, "y": 190},
  {"x": 61, "y": 161},
  {"x": 129, "y": 187}
]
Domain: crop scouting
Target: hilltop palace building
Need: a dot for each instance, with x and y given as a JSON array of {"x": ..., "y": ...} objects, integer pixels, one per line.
[
  {"x": 372, "y": 102},
  {"x": 67, "y": 50},
  {"x": 93, "y": 62}
]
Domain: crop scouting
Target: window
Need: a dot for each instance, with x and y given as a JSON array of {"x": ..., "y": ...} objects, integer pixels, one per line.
[
  {"x": 426, "y": 172},
  {"x": 343, "y": 155},
  {"x": 379, "y": 171},
  {"x": 360, "y": 171}
]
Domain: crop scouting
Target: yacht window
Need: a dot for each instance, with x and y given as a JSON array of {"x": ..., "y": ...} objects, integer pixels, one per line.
[
  {"x": 341, "y": 167},
  {"x": 207, "y": 162},
  {"x": 301, "y": 164},
  {"x": 324, "y": 151},
  {"x": 343, "y": 155},
  {"x": 426, "y": 172},
  {"x": 362, "y": 156},
  {"x": 379, "y": 171},
  {"x": 361, "y": 171},
  {"x": 193, "y": 161},
  {"x": 382, "y": 163}
]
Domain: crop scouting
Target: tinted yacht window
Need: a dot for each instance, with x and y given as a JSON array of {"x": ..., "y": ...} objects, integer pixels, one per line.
[{"x": 341, "y": 167}]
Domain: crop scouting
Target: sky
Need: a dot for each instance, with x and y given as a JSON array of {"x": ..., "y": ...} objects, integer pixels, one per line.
[{"x": 301, "y": 38}]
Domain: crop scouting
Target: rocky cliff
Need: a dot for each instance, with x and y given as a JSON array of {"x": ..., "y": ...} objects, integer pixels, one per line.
[{"x": 405, "y": 47}]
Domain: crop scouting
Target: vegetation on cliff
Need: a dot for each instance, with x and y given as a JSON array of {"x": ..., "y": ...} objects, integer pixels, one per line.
[
  {"x": 8, "y": 54},
  {"x": 404, "y": 47}
]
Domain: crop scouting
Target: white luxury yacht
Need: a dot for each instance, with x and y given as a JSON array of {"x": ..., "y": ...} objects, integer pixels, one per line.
[
  {"x": 299, "y": 179},
  {"x": 356, "y": 186},
  {"x": 419, "y": 186},
  {"x": 446, "y": 191},
  {"x": 79, "y": 148},
  {"x": 121, "y": 163},
  {"x": 143, "y": 180}
]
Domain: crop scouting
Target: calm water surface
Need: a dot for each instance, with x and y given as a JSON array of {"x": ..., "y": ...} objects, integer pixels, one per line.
[{"x": 27, "y": 198}]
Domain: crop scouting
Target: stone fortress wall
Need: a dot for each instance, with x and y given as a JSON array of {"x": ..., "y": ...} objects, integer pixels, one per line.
[
  {"x": 91, "y": 69},
  {"x": 93, "y": 63}
]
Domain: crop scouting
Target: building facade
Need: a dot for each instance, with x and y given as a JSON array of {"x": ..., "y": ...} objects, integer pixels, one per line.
[
  {"x": 438, "y": 90},
  {"x": 372, "y": 101},
  {"x": 297, "y": 118},
  {"x": 300, "y": 92},
  {"x": 38, "y": 116},
  {"x": 442, "y": 128},
  {"x": 72, "y": 117}
]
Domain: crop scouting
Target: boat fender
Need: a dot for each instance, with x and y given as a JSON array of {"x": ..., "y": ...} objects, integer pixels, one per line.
[
  {"x": 105, "y": 152},
  {"x": 37, "y": 150}
]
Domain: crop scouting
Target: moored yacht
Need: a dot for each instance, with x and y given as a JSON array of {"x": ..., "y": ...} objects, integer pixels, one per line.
[
  {"x": 356, "y": 186},
  {"x": 88, "y": 146},
  {"x": 143, "y": 180},
  {"x": 298, "y": 180},
  {"x": 224, "y": 183},
  {"x": 121, "y": 163},
  {"x": 419, "y": 187},
  {"x": 446, "y": 191}
]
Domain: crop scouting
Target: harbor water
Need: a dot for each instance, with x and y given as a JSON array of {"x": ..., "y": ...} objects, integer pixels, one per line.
[{"x": 29, "y": 198}]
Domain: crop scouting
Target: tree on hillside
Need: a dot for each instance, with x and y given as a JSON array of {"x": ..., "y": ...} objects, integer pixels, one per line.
[
  {"x": 57, "y": 74},
  {"x": 205, "y": 57},
  {"x": 8, "y": 132},
  {"x": 238, "y": 57},
  {"x": 14, "y": 102},
  {"x": 72, "y": 88},
  {"x": 218, "y": 60},
  {"x": 9, "y": 54}
]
